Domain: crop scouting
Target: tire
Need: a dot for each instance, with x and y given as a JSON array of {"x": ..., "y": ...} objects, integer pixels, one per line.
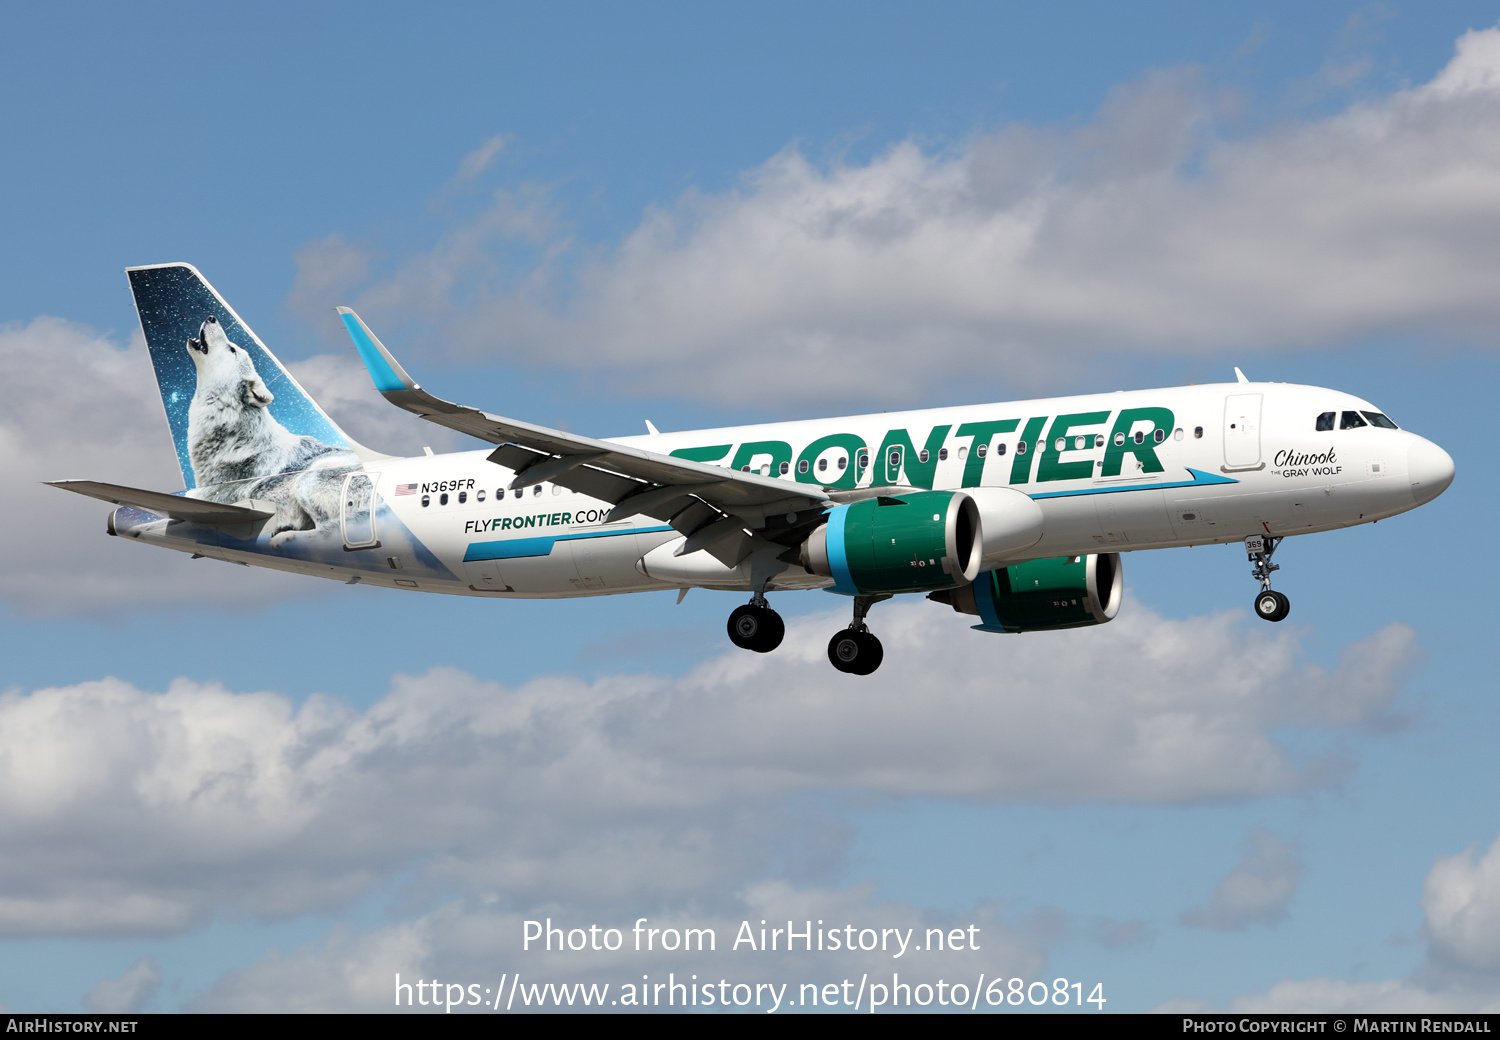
[
  {"x": 756, "y": 628},
  {"x": 1272, "y": 606},
  {"x": 856, "y": 653},
  {"x": 873, "y": 655},
  {"x": 1284, "y": 610}
]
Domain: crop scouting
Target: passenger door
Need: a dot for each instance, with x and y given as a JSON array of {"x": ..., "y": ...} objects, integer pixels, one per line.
[{"x": 1242, "y": 431}]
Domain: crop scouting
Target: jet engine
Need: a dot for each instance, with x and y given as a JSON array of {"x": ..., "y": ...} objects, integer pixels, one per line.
[
  {"x": 898, "y": 543},
  {"x": 1042, "y": 595}
]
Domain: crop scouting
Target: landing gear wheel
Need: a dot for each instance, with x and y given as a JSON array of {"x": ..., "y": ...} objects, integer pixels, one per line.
[
  {"x": 1272, "y": 606},
  {"x": 756, "y": 628},
  {"x": 855, "y": 652}
]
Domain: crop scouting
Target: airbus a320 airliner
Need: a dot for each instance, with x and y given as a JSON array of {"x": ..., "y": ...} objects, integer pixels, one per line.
[{"x": 1016, "y": 513}]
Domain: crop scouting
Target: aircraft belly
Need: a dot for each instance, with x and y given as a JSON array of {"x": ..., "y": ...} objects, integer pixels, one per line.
[
  {"x": 1067, "y": 524},
  {"x": 1132, "y": 518},
  {"x": 607, "y": 563}
]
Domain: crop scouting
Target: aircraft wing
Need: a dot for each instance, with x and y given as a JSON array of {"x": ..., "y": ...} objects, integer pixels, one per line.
[
  {"x": 709, "y": 504},
  {"x": 175, "y": 506}
]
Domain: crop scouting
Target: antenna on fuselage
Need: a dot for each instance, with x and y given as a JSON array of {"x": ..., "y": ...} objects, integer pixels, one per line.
[{"x": 1239, "y": 376}]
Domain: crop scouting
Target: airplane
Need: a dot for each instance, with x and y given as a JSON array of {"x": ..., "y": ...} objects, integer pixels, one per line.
[{"x": 1015, "y": 513}]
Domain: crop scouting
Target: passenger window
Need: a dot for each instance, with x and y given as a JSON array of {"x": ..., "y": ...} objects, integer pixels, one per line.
[
  {"x": 895, "y": 459},
  {"x": 1159, "y": 436},
  {"x": 479, "y": 495},
  {"x": 942, "y": 454},
  {"x": 1000, "y": 448},
  {"x": 1351, "y": 421},
  {"x": 556, "y": 489},
  {"x": 426, "y": 501},
  {"x": 786, "y": 467},
  {"x": 1325, "y": 422},
  {"x": 822, "y": 465},
  {"x": 443, "y": 499},
  {"x": 1080, "y": 443},
  {"x": 1140, "y": 438},
  {"x": 1060, "y": 443},
  {"x": 463, "y": 496},
  {"x": 1177, "y": 434},
  {"x": 922, "y": 455},
  {"x": 843, "y": 462},
  {"x": 1020, "y": 447},
  {"x": 982, "y": 450},
  {"x": 802, "y": 466},
  {"x": 745, "y": 469},
  {"x": 864, "y": 460},
  {"x": 1119, "y": 439},
  {"x": 1378, "y": 419},
  {"x": 536, "y": 489},
  {"x": 519, "y": 492}
]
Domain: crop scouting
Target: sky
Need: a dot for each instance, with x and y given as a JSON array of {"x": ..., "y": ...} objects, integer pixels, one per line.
[{"x": 230, "y": 789}]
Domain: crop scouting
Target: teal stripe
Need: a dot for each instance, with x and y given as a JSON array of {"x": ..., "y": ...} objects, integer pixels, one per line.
[
  {"x": 1200, "y": 479},
  {"x": 384, "y": 376},
  {"x": 519, "y": 548},
  {"x": 838, "y": 560},
  {"x": 984, "y": 599}
]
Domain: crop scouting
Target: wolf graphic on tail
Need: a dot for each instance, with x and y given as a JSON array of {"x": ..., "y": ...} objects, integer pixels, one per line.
[{"x": 238, "y": 450}]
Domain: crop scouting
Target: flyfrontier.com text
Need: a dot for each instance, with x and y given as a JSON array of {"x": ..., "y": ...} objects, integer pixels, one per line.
[
  {"x": 804, "y": 937},
  {"x": 689, "y": 991}
]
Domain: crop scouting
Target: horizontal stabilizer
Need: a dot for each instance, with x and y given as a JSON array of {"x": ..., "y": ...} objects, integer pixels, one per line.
[{"x": 177, "y": 507}]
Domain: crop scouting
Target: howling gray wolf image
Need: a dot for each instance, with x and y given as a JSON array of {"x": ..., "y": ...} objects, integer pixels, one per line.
[{"x": 239, "y": 451}]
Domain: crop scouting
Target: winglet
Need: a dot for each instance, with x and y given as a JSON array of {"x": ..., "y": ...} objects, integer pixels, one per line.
[
  {"x": 1238, "y": 375},
  {"x": 385, "y": 370}
]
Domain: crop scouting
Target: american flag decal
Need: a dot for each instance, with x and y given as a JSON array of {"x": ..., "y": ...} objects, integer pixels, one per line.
[{"x": 405, "y": 489}]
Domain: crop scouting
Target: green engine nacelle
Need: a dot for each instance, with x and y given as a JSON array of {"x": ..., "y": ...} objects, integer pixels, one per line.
[
  {"x": 1040, "y": 595},
  {"x": 898, "y": 543}
]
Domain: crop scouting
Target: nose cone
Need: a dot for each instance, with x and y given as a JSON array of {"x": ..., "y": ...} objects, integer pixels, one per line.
[{"x": 1430, "y": 469}]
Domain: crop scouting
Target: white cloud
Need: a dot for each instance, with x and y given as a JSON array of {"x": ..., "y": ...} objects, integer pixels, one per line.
[
  {"x": 123, "y": 811},
  {"x": 341, "y": 384},
  {"x": 128, "y": 993},
  {"x": 1021, "y": 252},
  {"x": 1336, "y": 996},
  {"x": 1256, "y": 891},
  {"x": 1462, "y": 901},
  {"x": 1461, "y": 971}
]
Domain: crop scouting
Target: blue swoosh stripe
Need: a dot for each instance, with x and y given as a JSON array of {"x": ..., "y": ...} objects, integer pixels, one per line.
[
  {"x": 519, "y": 548},
  {"x": 1200, "y": 479}
]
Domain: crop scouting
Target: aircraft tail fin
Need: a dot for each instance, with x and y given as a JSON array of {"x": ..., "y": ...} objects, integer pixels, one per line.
[{"x": 182, "y": 314}]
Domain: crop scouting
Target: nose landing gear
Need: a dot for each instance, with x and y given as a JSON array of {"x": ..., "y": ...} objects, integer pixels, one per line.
[
  {"x": 855, "y": 650},
  {"x": 1270, "y": 605},
  {"x": 755, "y": 626}
]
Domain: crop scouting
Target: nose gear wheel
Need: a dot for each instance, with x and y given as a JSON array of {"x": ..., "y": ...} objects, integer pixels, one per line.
[{"x": 1269, "y": 605}]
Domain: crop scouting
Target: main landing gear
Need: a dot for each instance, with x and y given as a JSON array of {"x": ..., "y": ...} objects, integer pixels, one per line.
[
  {"x": 1272, "y": 606},
  {"x": 755, "y": 626},
  {"x": 855, "y": 649}
]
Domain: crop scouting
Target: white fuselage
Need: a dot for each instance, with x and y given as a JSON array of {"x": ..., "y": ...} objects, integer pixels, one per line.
[{"x": 1111, "y": 472}]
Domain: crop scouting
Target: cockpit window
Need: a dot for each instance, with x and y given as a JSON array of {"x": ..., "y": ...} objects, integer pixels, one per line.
[
  {"x": 1325, "y": 422},
  {"x": 1377, "y": 419},
  {"x": 1350, "y": 421}
]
